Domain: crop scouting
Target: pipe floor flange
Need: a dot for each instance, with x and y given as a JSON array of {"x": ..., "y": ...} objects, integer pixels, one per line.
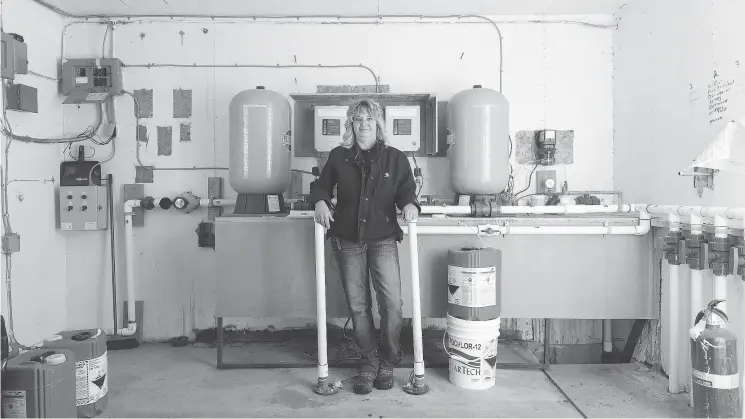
[
  {"x": 324, "y": 388},
  {"x": 416, "y": 389}
]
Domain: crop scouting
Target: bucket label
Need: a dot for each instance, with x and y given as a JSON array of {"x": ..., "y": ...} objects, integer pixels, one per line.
[
  {"x": 14, "y": 403},
  {"x": 472, "y": 361},
  {"x": 92, "y": 380},
  {"x": 722, "y": 382},
  {"x": 472, "y": 287}
]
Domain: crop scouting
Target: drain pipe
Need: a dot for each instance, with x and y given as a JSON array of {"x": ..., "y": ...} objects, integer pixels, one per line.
[
  {"x": 607, "y": 337},
  {"x": 130, "y": 266},
  {"x": 129, "y": 249}
]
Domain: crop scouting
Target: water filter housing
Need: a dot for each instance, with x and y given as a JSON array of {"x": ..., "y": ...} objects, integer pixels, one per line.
[{"x": 479, "y": 153}]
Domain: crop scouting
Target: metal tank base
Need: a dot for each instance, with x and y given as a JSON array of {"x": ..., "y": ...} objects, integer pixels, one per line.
[{"x": 260, "y": 205}]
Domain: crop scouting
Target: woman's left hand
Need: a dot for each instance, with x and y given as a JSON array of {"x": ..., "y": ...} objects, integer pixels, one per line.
[{"x": 410, "y": 212}]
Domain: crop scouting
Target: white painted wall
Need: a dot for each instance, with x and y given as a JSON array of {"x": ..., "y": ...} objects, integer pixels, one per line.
[
  {"x": 38, "y": 271},
  {"x": 666, "y": 55},
  {"x": 557, "y": 76}
]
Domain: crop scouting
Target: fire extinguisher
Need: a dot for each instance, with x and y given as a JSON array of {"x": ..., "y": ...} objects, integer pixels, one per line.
[{"x": 715, "y": 378}]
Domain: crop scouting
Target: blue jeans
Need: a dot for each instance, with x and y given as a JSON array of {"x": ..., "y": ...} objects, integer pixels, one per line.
[{"x": 380, "y": 259}]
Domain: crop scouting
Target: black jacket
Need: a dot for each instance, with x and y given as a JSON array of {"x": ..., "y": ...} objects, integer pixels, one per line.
[{"x": 366, "y": 202}]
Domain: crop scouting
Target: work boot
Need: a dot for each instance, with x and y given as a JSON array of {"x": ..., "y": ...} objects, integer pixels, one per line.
[
  {"x": 363, "y": 383},
  {"x": 384, "y": 380}
]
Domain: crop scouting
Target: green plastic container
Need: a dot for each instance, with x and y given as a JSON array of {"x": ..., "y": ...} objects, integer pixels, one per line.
[
  {"x": 40, "y": 383},
  {"x": 91, "y": 367}
]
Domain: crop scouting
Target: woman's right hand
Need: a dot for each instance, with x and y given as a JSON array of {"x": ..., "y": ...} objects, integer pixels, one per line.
[{"x": 323, "y": 214}]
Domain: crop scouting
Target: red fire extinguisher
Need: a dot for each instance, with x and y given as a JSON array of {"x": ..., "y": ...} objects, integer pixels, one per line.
[{"x": 715, "y": 378}]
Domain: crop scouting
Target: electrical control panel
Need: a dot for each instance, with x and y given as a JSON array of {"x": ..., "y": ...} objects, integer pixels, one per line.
[
  {"x": 19, "y": 97},
  {"x": 403, "y": 125},
  {"x": 329, "y": 127},
  {"x": 14, "y": 55},
  {"x": 91, "y": 80},
  {"x": 83, "y": 208}
]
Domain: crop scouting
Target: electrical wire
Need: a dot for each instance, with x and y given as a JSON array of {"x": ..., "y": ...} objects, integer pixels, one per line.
[
  {"x": 33, "y": 73},
  {"x": 421, "y": 177},
  {"x": 530, "y": 179}
]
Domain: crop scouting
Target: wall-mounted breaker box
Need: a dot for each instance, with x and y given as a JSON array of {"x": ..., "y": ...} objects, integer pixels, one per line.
[
  {"x": 14, "y": 55},
  {"x": 19, "y": 97},
  {"x": 329, "y": 127},
  {"x": 91, "y": 80},
  {"x": 403, "y": 124},
  {"x": 83, "y": 208}
]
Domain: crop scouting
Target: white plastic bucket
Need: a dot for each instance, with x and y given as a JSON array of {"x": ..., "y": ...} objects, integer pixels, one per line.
[{"x": 472, "y": 352}]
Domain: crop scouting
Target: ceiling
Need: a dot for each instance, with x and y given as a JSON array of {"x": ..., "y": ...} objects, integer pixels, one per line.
[{"x": 334, "y": 7}]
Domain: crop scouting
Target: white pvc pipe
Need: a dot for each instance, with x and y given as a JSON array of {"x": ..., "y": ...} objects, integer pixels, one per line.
[
  {"x": 674, "y": 330},
  {"x": 446, "y": 209},
  {"x": 674, "y": 315},
  {"x": 323, "y": 367},
  {"x": 542, "y": 209},
  {"x": 216, "y": 202},
  {"x": 720, "y": 293},
  {"x": 416, "y": 310},
  {"x": 564, "y": 209},
  {"x": 489, "y": 230},
  {"x": 130, "y": 268},
  {"x": 607, "y": 336},
  {"x": 733, "y": 213}
]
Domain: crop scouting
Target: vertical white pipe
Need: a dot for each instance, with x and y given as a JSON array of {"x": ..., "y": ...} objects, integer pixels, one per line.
[
  {"x": 416, "y": 310},
  {"x": 607, "y": 336},
  {"x": 129, "y": 248},
  {"x": 720, "y": 281},
  {"x": 720, "y": 293},
  {"x": 323, "y": 368},
  {"x": 674, "y": 330},
  {"x": 674, "y": 315}
]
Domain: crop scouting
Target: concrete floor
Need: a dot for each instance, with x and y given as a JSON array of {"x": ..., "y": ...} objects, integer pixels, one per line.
[{"x": 158, "y": 380}]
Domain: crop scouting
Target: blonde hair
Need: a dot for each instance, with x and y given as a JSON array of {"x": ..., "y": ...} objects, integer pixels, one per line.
[{"x": 376, "y": 112}]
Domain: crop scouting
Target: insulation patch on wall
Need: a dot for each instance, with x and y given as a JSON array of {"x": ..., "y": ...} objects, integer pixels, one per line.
[
  {"x": 142, "y": 133},
  {"x": 144, "y": 102},
  {"x": 181, "y": 103},
  {"x": 165, "y": 139},
  {"x": 525, "y": 149},
  {"x": 185, "y": 133},
  {"x": 143, "y": 174},
  {"x": 360, "y": 88}
]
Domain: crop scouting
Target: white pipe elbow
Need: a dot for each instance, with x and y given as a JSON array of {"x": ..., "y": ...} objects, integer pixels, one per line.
[{"x": 126, "y": 331}]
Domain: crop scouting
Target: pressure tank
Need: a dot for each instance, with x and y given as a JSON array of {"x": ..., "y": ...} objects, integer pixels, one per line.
[
  {"x": 479, "y": 154},
  {"x": 259, "y": 142}
]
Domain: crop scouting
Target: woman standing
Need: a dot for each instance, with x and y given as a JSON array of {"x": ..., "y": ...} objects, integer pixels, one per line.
[{"x": 372, "y": 179}]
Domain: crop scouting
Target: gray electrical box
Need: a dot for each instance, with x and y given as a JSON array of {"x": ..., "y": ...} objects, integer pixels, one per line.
[
  {"x": 83, "y": 207},
  {"x": 91, "y": 80},
  {"x": 19, "y": 97},
  {"x": 14, "y": 55}
]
